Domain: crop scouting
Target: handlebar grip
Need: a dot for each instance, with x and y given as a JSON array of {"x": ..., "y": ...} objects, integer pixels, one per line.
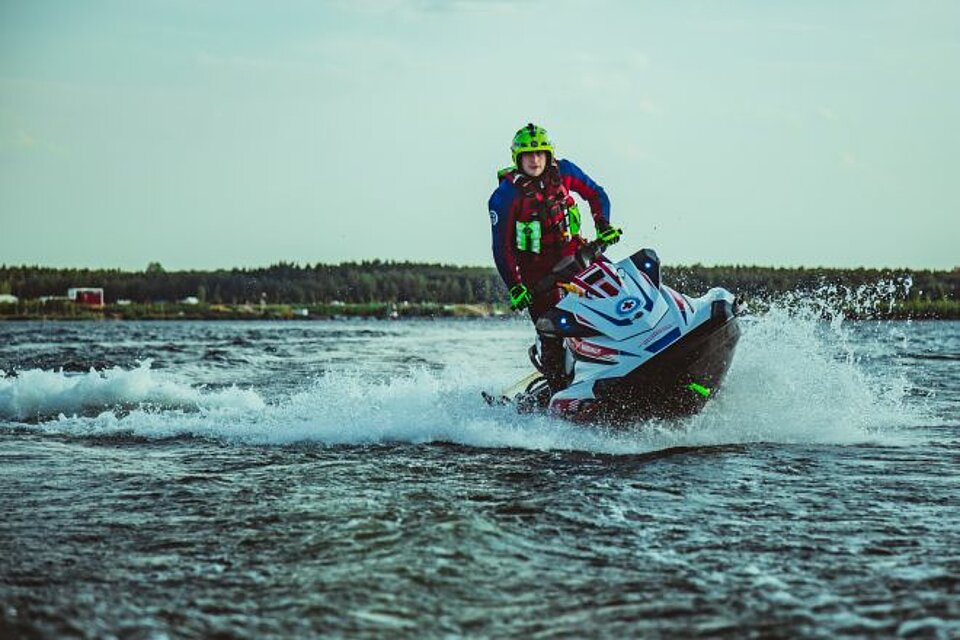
[{"x": 585, "y": 256}]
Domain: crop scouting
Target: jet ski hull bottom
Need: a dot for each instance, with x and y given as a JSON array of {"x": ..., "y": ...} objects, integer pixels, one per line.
[{"x": 677, "y": 383}]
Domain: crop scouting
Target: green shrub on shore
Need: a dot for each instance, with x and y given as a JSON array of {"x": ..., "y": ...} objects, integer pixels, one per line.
[{"x": 919, "y": 308}]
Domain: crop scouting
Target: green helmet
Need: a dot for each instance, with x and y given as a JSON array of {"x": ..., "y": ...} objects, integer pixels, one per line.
[{"x": 530, "y": 138}]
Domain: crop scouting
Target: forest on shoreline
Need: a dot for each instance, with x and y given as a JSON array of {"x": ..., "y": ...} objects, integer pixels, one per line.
[{"x": 376, "y": 288}]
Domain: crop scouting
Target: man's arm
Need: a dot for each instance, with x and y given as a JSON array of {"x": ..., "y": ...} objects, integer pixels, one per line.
[
  {"x": 578, "y": 181},
  {"x": 501, "y": 224}
]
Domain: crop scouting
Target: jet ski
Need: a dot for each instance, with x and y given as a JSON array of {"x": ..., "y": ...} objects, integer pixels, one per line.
[{"x": 635, "y": 349}]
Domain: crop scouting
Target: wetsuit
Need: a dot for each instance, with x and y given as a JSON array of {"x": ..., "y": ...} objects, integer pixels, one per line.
[{"x": 535, "y": 223}]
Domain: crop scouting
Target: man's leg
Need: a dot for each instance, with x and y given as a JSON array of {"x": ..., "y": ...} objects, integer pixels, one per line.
[
  {"x": 552, "y": 355},
  {"x": 553, "y": 361}
]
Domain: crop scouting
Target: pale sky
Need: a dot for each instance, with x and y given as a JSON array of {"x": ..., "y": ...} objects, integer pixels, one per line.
[{"x": 223, "y": 133}]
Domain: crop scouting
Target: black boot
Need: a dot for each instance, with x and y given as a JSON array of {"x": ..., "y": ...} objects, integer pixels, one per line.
[{"x": 552, "y": 362}]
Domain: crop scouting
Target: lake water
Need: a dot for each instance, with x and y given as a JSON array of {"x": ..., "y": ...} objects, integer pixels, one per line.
[{"x": 344, "y": 479}]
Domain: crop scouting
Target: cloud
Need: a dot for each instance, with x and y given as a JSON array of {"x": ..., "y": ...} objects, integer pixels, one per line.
[
  {"x": 613, "y": 73},
  {"x": 17, "y": 135},
  {"x": 471, "y": 6},
  {"x": 636, "y": 60},
  {"x": 828, "y": 114},
  {"x": 27, "y": 142},
  {"x": 235, "y": 63},
  {"x": 489, "y": 7},
  {"x": 759, "y": 25},
  {"x": 648, "y": 106}
]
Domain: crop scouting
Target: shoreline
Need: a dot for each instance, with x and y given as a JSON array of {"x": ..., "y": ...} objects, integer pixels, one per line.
[
  {"x": 68, "y": 312},
  {"x": 283, "y": 312}
]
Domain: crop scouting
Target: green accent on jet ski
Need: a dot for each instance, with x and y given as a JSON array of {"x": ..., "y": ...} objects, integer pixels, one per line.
[{"x": 699, "y": 388}]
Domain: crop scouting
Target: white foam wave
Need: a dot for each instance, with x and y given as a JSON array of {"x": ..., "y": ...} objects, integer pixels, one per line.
[
  {"x": 36, "y": 393},
  {"x": 794, "y": 380}
]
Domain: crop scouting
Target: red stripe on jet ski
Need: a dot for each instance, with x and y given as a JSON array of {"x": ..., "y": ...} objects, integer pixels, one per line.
[
  {"x": 610, "y": 272},
  {"x": 608, "y": 288},
  {"x": 593, "y": 351},
  {"x": 586, "y": 287}
]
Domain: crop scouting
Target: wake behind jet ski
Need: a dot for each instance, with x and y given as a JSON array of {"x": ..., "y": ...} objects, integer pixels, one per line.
[{"x": 634, "y": 348}]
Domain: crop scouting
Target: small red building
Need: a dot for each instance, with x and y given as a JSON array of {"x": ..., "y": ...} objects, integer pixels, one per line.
[{"x": 87, "y": 296}]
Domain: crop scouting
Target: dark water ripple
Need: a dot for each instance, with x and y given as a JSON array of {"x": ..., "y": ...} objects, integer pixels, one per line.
[
  {"x": 441, "y": 540},
  {"x": 133, "y": 534}
]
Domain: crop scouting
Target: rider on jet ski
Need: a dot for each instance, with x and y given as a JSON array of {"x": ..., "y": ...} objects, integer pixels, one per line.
[{"x": 536, "y": 223}]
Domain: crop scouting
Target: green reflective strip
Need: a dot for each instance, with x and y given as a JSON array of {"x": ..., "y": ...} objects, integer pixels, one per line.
[
  {"x": 699, "y": 388},
  {"x": 573, "y": 220},
  {"x": 528, "y": 236}
]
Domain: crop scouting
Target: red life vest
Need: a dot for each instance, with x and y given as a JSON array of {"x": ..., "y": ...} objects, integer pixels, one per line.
[{"x": 546, "y": 202}]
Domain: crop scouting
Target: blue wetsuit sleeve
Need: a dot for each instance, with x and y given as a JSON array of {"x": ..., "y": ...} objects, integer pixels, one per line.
[
  {"x": 501, "y": 227},
  {"x": 578, "y": 181}
]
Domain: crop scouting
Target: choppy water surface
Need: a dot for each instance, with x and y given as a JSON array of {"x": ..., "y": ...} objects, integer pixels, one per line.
[{"x": 343, "y": 478}]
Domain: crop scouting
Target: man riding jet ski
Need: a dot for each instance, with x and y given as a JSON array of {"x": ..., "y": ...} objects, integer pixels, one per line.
[
  {"x": 536, "y": 222},
  {"x": 633, "y": 347}
]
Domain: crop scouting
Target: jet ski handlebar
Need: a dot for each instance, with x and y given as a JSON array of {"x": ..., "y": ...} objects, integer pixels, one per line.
[{"x": 569, "y": 266}]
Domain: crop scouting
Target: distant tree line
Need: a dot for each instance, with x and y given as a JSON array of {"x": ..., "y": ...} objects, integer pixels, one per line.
[
  {"x": 378, "y": 281},
  {"x": 351, "y": 282},
  {"x": 762, "y": 282}
]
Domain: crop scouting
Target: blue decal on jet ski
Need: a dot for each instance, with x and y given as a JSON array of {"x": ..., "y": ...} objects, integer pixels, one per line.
[
  {"x": 649, "y": 304},
  {"x": 627, "y": 306},
  {"x": 664, "y": 341}
]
